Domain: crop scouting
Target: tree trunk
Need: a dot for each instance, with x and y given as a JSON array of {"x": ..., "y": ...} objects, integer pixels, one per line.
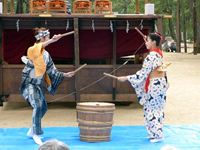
[
  {"x": 194, "y": 26},
  {"x": 12, "y": 7},
  {"x": 5, "y": 6},
  {"x": 178, "y": 35},
  {"x": 27, "y": 6},
  {"x": 171, "y": 29},
  {"x": 137, "y": 7},
  {"x": 184, "y": 32},
  {"x": 171, "y": 24},
  {"x": 198, "y": 25},
  {"x": 19, "y": 6}
]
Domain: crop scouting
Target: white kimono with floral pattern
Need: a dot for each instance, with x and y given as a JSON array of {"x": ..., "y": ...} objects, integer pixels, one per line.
[{"x": 154, "y": 99}]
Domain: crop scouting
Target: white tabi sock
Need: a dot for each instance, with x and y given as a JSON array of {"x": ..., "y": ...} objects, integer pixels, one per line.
[
  {"x": 37, "y": 139},
  {"x": 156, "y": 140}
]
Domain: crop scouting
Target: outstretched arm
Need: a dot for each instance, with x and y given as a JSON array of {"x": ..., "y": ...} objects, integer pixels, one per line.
[
  {"x": 55, "y": 38},
  {"x": 69, "y": 74},
  {"x": 122, "y": 78},
  {"x": 52, "y": 40}
]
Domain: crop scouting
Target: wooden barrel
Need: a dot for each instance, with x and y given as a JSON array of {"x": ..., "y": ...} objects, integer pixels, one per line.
[{"x": 95, "y": 121}]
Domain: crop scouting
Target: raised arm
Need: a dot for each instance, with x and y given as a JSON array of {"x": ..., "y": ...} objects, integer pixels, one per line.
[{"x": 55, "y": 38}]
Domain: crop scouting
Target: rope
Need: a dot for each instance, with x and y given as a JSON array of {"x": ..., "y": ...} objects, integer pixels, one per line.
[{"x": 94, "y": 82}]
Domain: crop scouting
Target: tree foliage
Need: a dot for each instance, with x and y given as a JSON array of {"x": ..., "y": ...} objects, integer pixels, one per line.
[{"x": 164, "y": 7}]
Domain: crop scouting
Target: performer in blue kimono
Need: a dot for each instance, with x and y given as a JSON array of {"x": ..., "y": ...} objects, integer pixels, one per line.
[
  {"x": 39, "y": 69},
  {"x": 150, "y": 84}
]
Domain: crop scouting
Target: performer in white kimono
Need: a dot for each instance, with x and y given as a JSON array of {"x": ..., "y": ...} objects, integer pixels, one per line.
[
  {"x": 39, "y": 68},
  {"x": 150, "y": 84}
]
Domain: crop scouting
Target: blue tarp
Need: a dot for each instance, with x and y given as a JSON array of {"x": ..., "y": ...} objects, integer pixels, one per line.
[{"x": 183, "y": 137}]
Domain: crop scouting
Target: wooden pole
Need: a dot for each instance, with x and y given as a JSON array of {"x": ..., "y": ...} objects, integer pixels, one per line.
[
  {"x": 77, "y": 58},
  {"x": 1, "y": 63},
  {"x": 195, "y": 27},
  {"x": 114, "y": 59},
  {"x": 178, "y": 31},
  {"x": 68, "y": 33},
  {"x": 78, "y": 69},
  {"x": 144, "y": 36},
  {"x": 139, "y": 32}
]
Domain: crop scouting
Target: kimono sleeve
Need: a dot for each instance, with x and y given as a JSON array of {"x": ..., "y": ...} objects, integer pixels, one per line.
[
  {"x": 141, "y": 75},
  {"x": 55, "y": 76}
]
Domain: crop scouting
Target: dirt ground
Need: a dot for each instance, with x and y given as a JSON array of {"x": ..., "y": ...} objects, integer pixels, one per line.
[{"x": 182, "y": 105}]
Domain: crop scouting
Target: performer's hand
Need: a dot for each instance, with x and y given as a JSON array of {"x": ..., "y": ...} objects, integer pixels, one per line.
[
  {"x": 56, "y": 37},
  {"x": 24, "y": 59},
  {"x": 145, "y": 38},
  {"x": 52, "y": 40},
  {"x": 69, "y": 74},
  {"x": 122, "y": 79}
]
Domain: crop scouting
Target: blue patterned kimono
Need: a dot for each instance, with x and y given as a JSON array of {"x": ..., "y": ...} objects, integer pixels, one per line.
[
  {"x": 154, "y": 99},
  {"x": 32, "y": 89}
]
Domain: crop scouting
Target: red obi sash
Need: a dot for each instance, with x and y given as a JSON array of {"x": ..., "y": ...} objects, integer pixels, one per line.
[{"x": 159, "y": 51}]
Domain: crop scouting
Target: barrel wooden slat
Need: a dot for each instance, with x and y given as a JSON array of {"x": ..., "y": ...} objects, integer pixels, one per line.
[{"x": 95, "y": 121}]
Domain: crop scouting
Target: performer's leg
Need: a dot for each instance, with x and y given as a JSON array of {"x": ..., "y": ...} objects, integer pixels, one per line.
[
  {"x": 36, "y": 101},
  {"x": 43, "y": 111},
  {"x": 155, "y": 112},
  {"x": 154, "y": 123},
  {"x": 37, "y": 116},
  {"x": 157, "y": 128},
  {"x": 44, "y": 106},
  {"x": 148, "y": 116}
]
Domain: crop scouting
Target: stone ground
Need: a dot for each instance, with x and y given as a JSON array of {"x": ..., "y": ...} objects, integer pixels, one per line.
[{"x": 182, "y": 107}]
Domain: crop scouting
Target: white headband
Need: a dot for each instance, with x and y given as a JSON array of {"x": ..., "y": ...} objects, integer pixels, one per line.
[{"x": 42, "y": 34}]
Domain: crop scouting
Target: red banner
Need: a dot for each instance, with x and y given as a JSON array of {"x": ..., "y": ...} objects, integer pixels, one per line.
[{"x": 93, "y": 45}]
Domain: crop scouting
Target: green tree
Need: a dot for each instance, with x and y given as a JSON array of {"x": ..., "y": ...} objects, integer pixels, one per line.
[{"x": 123, "y": 6}]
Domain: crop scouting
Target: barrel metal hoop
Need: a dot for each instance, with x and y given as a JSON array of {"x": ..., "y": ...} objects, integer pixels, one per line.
[{"x": 94, "y": 122}]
